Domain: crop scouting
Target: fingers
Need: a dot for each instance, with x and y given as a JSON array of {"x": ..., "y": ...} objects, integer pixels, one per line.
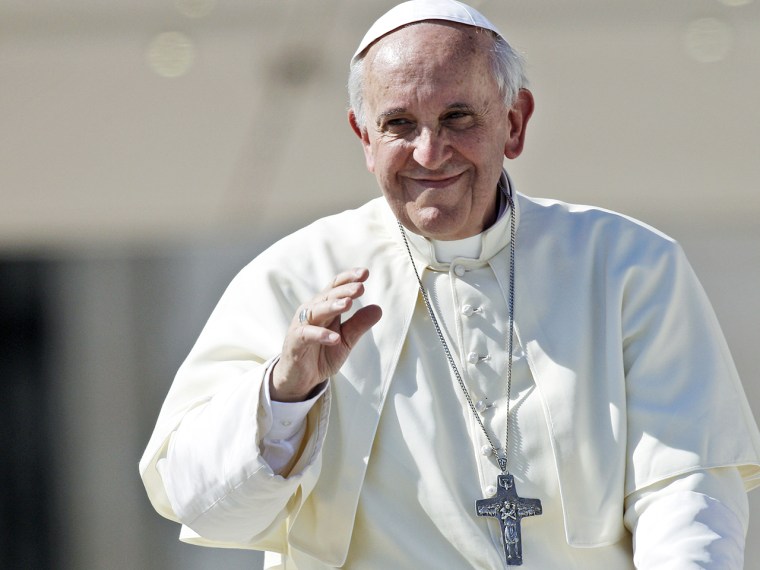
[
  {"x": 355, "y": 275},
  {"x": 323, "y": 313},
  {"x": 335, "y": 300},
  {"x": 317, "y": 344},
  {"x": 312, "y": 334},
  {"x": 350, "y": 331},
  {"x": 363, "y": 320}
]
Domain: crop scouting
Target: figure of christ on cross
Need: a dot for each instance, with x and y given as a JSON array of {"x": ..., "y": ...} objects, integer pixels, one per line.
[{"x": 509, "y": 509}]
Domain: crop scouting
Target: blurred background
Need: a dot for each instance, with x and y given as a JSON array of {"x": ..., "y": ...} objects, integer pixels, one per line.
[{"x": 150, "y": 148}]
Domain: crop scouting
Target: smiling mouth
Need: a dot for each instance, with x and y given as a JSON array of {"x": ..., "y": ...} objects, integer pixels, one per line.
[{"x": 437, "y": 182}]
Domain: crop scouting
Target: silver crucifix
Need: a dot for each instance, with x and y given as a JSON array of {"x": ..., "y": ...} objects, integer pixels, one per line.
[{"x": 509, "y": 509}]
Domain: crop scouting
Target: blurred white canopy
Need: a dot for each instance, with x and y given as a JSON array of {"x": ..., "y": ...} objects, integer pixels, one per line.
[{"x": 147, "y": 122}]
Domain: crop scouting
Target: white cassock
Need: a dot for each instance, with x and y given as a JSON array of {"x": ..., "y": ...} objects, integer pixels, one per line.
[{"x": 626, "y": 410}]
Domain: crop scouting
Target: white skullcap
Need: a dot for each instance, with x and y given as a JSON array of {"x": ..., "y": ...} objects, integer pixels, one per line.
[{"x": 418, "y": 10}]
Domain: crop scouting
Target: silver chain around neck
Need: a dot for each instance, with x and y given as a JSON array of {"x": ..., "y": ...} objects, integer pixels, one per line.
[{"x": 510, "y": 337}]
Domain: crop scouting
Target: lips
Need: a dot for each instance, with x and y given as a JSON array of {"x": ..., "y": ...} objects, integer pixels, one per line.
[{"x": 437, "y": 182}]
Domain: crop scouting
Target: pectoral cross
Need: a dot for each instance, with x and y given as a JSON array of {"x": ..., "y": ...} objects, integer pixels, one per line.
[{"x": 509, "y": 509}]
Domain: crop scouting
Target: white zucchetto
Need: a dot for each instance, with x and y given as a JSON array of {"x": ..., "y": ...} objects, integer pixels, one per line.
[{"x": 419, "y": 10}]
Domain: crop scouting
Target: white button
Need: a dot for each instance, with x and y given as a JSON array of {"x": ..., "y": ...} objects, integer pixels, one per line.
[
  {"x": 486, "y": 450},
  {"x": 473, "y": 357},
  {"x": 481, "y": 406},
  {"x": 467, "y": 310},
  {"x": 286, "y": 423},
  {"x": 459, "y": 270},
  {"x": 490, "y": 491}
]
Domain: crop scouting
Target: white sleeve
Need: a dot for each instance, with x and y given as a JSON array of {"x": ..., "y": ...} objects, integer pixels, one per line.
[
  {"x": 217, "y": 481},
  {"x": 286, "y": 422},
  {"x": 696, "y": 521}
]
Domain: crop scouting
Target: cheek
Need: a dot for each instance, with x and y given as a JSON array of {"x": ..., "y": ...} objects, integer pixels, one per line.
[{"x": 387, "y": 161}]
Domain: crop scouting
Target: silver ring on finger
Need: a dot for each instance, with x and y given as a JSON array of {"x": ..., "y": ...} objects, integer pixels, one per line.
[{"x": 303, "y": 316}]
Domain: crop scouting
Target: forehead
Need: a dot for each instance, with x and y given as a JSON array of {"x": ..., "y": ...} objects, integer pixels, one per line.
[
  {"x": 427, "y": 42},
  {"x": 428, "y": 58}
]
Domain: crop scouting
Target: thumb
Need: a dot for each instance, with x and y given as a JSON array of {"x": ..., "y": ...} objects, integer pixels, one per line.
[{"x": 363, "y": 320}]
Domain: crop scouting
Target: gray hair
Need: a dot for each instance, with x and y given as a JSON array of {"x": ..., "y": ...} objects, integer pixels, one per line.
[{"x": 507, "y": 65}]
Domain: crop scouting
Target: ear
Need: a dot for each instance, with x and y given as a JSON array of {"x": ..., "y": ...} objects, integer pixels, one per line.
[
  {"x": 361, "y": 132},
  {"x": 519, "y": 115}
]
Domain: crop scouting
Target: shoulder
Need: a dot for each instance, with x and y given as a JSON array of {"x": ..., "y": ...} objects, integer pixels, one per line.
[
  {"x": 581, "y": 217},
  {"x": 582, "y": 228},
  {"x": 364, "y": 221},
  {"x": 348, "y": 233},
  {"x": 316, "y": 252}
]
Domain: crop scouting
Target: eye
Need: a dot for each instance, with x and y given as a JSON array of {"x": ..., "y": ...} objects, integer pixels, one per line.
[
  {"x": 397, "y": 126},
  {"x": 459, "y": 119}
]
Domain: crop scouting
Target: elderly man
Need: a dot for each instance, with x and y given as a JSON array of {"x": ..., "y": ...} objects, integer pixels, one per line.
[{"x": 546, "y": 386}]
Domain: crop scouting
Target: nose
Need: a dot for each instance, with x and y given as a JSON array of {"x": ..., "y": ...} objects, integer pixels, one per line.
[{"x": 431, "y": 149}]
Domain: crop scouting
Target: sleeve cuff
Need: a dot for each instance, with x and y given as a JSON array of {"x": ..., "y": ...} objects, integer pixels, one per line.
[{"x": 285, "y": 419}]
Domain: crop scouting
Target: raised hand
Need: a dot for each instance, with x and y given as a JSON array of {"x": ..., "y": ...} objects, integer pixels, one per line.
[{"x": 318, "y": 343}]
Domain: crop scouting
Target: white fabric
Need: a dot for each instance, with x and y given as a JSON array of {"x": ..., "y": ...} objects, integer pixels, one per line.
[
  {"x": 698, "y": 521},
  {"x": 418, "y": 10},
  {"x": 426, "y": 528},
  {"x": 695, "y": 522},
  {"x": 436, "y": 478},
  {"x": 284, "y": 426},
  {"x": 682, "y": 525},
  {"x": 617, "y": 334}
]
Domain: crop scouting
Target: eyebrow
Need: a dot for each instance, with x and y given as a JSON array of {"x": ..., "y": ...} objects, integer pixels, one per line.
[
  {"x": 389, "y": 113},
  {"x": 402, "y": 110}
]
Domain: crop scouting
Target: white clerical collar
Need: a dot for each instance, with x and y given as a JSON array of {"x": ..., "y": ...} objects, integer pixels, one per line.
[{"x": 446, "y": 251}]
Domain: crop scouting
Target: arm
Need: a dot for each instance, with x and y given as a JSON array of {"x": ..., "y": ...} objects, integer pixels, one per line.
[
  {"x": 692, "y": 441},
  {"x": 697, "y": 521},
  {"x": 216, "y": 474},
  {"x": 216, "y": 479}
]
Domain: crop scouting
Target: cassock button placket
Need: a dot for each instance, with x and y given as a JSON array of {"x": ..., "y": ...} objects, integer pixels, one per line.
[{"x": 502, "y": 502}]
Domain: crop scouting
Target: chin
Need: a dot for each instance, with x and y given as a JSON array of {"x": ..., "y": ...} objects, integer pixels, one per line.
[{"x": 439, "y": 231}]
